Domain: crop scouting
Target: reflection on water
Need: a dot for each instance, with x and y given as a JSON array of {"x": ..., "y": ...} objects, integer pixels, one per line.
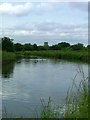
[
  {"x": 7, "y": 70},
  {"x": 27, "y": 80},
  {"x": 0, "y": 91}
]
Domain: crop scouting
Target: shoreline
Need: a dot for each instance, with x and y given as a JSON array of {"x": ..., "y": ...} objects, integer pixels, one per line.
[
  {"x": 79, "y": 56},
  {"x": 65, "y": 55}
]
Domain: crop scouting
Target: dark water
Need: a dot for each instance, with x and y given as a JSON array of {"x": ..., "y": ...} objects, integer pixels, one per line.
[{"x": 26, "y": 81}]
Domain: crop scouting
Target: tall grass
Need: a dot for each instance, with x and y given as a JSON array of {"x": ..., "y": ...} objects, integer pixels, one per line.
[
  {"x": 77, "y": 102},
  {"x": 8, "y": 57},
  {"x": 60, "y": 54},
  {"x": 75, "y": 106}
]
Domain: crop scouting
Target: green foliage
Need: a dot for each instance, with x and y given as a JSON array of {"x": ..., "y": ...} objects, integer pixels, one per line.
[
  {"x": 61, "y": 50},
  {"x": 60, "y": 46},
  {"x": 27, "y": 47},
  {"x": 63, "y": 45},
  {"x": 76, "y": 102},
  {"x": 7, "y": 44},
  {"x": 8, "y": 57},
  {"x": 18, "y": 47},
  {"x": 41, "y": 48},
  {"x": 50, "y": 109},
  {"x": 55, "y": 47},
  {"x": 60, "y": 54},
  {"x": 34, "y": 47},
  {"x": 78, "y": 46}
]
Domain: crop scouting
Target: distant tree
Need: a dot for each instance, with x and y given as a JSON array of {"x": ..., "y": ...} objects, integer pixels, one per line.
[
  {"x": 88, "y": 48},
  {"x": 7, "y": 44},
  {"x": 27, "y": 47},
  {"x": 18, "y": 47},
  {"x": 34, "y": 47},
  {"x": 63, "y": 45},
  {"x": 60, "y": 46},
  {"x": 54, "y": 47},
  {"x": 78, "y": 46},
  {"x": 41, "y": 48},
  {"x": 0, "y": 44}
]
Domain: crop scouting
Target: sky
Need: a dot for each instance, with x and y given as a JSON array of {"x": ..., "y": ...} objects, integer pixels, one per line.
[{"x": 55, "y": 21}]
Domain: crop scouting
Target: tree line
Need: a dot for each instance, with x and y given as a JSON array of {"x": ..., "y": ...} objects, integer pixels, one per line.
[{"x": 9, "y": 46}]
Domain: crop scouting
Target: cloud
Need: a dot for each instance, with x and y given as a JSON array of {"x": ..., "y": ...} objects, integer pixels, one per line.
[
  {"x": 68, "y": 33},
  {"x": 8, "y": 8},
  {"x": 80, "y": 5},
  {"x": 50, "y": 31},
  {"x": 22, "y": 9}
]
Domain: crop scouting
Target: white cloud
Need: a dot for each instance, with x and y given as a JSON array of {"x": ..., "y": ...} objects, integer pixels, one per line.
[
  {"x": 53, "y": 31},
  {"x": 22, "y": 9},
  {"x": 22, "y": 33},
  {"x": 9, "y": 8},
  {"x": 49, "y": 29}
]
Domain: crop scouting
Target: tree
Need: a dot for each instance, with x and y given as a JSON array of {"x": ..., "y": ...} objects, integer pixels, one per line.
[
  {"x": 41, "y": 47},
  {"x": 27, "y": 47},
  {"x": 63, "y": 45},
  {"x": 78, "y": 46},
  {"x": 0, "y": 45},
  {"x": 18, "y": 47},
  {"x": 35, "y": 47},
  {"x": 7, "y": 44},
  {"x": 54, "y": 47}
]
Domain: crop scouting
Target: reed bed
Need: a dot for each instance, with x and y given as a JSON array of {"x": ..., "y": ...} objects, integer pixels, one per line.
[
  {"x": 60, "y": 54},
  {"x": 8, "y": 57}
]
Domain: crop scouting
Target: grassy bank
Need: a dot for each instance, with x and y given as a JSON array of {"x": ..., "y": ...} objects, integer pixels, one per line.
[
  {"x": 76, "y": 103},
  {"x": 8, "y": 57},
  {"x": 55, "y": 54},
  {"x": 59, "y": 54}
]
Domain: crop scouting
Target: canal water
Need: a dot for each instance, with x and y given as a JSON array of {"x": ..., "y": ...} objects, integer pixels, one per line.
[{"x": 26, "y": 81}]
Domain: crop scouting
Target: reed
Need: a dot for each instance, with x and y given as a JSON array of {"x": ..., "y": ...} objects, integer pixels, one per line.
[
  {"x": 59, "y": 54},
  {"x": 8, "y": 57},
  {"x": 75, "y": 105}
]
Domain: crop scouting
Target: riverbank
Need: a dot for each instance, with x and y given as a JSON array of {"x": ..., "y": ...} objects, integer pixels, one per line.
[
  {"x": 7, "y": 57},
  {"x": 80, "y": 56},
  {"x": 75, "y": 106},
  {"x": 59, "y": 54}
]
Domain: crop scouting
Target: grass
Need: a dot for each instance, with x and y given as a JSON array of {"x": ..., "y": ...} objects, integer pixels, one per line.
[
  {"x": 75, "y": 106},
  {"x": 8, "y": 57},
  {"x": 67, "y": 54},
  {"x": 59, "y": 54},
  {"x": 77, "y": 102}
]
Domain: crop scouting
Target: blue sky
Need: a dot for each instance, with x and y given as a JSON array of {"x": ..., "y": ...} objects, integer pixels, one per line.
[{"x": 36, "y": 22}]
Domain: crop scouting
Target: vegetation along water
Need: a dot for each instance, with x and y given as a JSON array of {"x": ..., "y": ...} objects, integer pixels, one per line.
[
  {"x": 61, "y": 50},
  {"x": 76, "y": 103}
]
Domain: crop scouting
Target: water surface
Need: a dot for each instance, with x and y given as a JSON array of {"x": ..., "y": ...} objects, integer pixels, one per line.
[{"x": 26, "y": 81}]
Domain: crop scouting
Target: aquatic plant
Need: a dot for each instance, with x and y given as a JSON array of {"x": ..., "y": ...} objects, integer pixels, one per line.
[{"x": 75, "y": 105}]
